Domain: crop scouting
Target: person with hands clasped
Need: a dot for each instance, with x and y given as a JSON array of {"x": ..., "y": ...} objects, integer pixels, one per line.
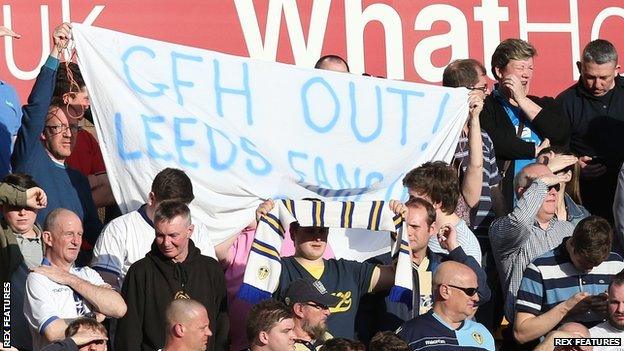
[
  {"x": 519, "y": 124},
  {"x": 568, "y": 283}
]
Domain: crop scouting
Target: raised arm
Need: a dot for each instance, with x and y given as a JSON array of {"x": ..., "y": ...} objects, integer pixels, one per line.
[
  {"x": 15, "y": 196},
  {"x": 35, "y": 112},
  {"x": 473, "y": 176}
]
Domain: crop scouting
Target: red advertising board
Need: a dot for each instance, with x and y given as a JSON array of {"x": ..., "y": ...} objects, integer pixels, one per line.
[{"x": 401, "y": 39}]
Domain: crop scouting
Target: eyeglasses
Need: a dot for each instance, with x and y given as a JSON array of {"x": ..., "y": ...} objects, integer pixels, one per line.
[
  {"x": 556, "y": 187},
  {"x": 467, "y": 291},
  {"x": 483, "y": 88},
  {"x": 317, "y": 306},
  {"x": 62, "y": 128}
]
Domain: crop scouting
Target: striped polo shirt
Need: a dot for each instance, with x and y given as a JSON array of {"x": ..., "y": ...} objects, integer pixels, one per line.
[
  {"x": 482, "y": 215},
  {"x": 552, "y": 278}
]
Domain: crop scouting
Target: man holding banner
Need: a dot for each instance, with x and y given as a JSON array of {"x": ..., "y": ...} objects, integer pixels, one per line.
[
  {"x": 45, "y": 141},
  {"x": 347, "y": 280}
]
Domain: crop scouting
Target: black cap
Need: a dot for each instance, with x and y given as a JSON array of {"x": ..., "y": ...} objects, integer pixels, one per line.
[{"x": 308, "y": 290}]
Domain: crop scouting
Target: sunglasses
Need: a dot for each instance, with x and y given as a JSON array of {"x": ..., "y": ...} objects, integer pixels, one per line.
[
  {"x": 556, "y": 187},
  {"x": 317, "y": 306},
  {"x": 467, "y": 291}
]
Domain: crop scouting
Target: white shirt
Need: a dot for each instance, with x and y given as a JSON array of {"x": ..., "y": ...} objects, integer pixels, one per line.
[
  {"x": 606, "y": 330},
  {"x": 128, "y": 238},
  {"x": 47, "y": 301}
]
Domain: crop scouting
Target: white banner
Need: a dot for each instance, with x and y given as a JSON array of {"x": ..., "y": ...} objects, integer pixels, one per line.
[{"x": 246, "y": 130}]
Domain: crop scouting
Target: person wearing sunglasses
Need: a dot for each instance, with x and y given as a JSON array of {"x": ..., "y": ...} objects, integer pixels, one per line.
[
  {"x": 448, "y": 325},
  {"x": 569, "y": 204},
  {"x": 531, "y": 229},
  {"x": 377, "y": 312},
  {"x": 481, "y": 200},
  {"x": 568, "y": 283},
  {"x": 309, "y": 301}
]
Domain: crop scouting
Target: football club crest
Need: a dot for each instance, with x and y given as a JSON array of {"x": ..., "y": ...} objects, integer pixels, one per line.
[
  {"x": 477, "y": 337},
  {"x": 181, "y": 295},
  {"x": 263, "y": 272}
]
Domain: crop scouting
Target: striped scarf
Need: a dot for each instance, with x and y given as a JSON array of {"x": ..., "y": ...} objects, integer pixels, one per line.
[{"x": 264, "y": 267}]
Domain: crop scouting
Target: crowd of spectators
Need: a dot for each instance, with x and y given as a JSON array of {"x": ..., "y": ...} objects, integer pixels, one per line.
[{"x": 513, "y": 245}]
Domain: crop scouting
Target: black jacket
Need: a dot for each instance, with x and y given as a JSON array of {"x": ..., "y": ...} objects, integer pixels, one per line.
[
  {"x": 152, "y": 283},
  {"x": 549, "y": 123},
  {"x": 596, "y": 123}
]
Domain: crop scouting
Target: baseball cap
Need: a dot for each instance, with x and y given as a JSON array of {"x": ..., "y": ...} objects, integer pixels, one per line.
[{"x": 308, "y": 290}]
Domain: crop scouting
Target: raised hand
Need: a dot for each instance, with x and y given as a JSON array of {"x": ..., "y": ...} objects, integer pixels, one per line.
[
  {"x": 36, "y": 198},
  {"x": 591, "y": 169},
  {"x": 545, "y": 143},
  {"x": 447, "y": 237},
  {"x": 264, "y": 208},
  {"x": 397, "y": 207},
  {"x": 475, "y": 103},
  {"x": 6, "y": 32},
  {"x": 60, "y": 37},
  {"x": 558, "y": 162},
  {"x": 515, "y": 87}
]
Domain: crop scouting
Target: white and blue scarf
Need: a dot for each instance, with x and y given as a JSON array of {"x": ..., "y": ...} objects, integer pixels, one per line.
[{"x": 264, "y": 267}]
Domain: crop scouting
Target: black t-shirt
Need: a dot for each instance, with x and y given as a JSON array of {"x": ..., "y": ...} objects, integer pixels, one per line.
[{"x": 347, "y": 280}]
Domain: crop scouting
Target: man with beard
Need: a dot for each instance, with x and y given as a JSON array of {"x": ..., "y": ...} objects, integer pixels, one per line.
[
  {"x": 613, "y": 327},
  {"x": 309, "y": 301}
]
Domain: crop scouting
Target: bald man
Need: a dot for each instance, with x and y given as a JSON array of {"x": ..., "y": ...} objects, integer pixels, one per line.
[
  {"x": 447, "y": 326},
  {"x": 188, "y": 326},
  {"x": 532, "y": 228},
  {"x": 567, "y": 330},
  {"x": 58, "y": 292}
]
